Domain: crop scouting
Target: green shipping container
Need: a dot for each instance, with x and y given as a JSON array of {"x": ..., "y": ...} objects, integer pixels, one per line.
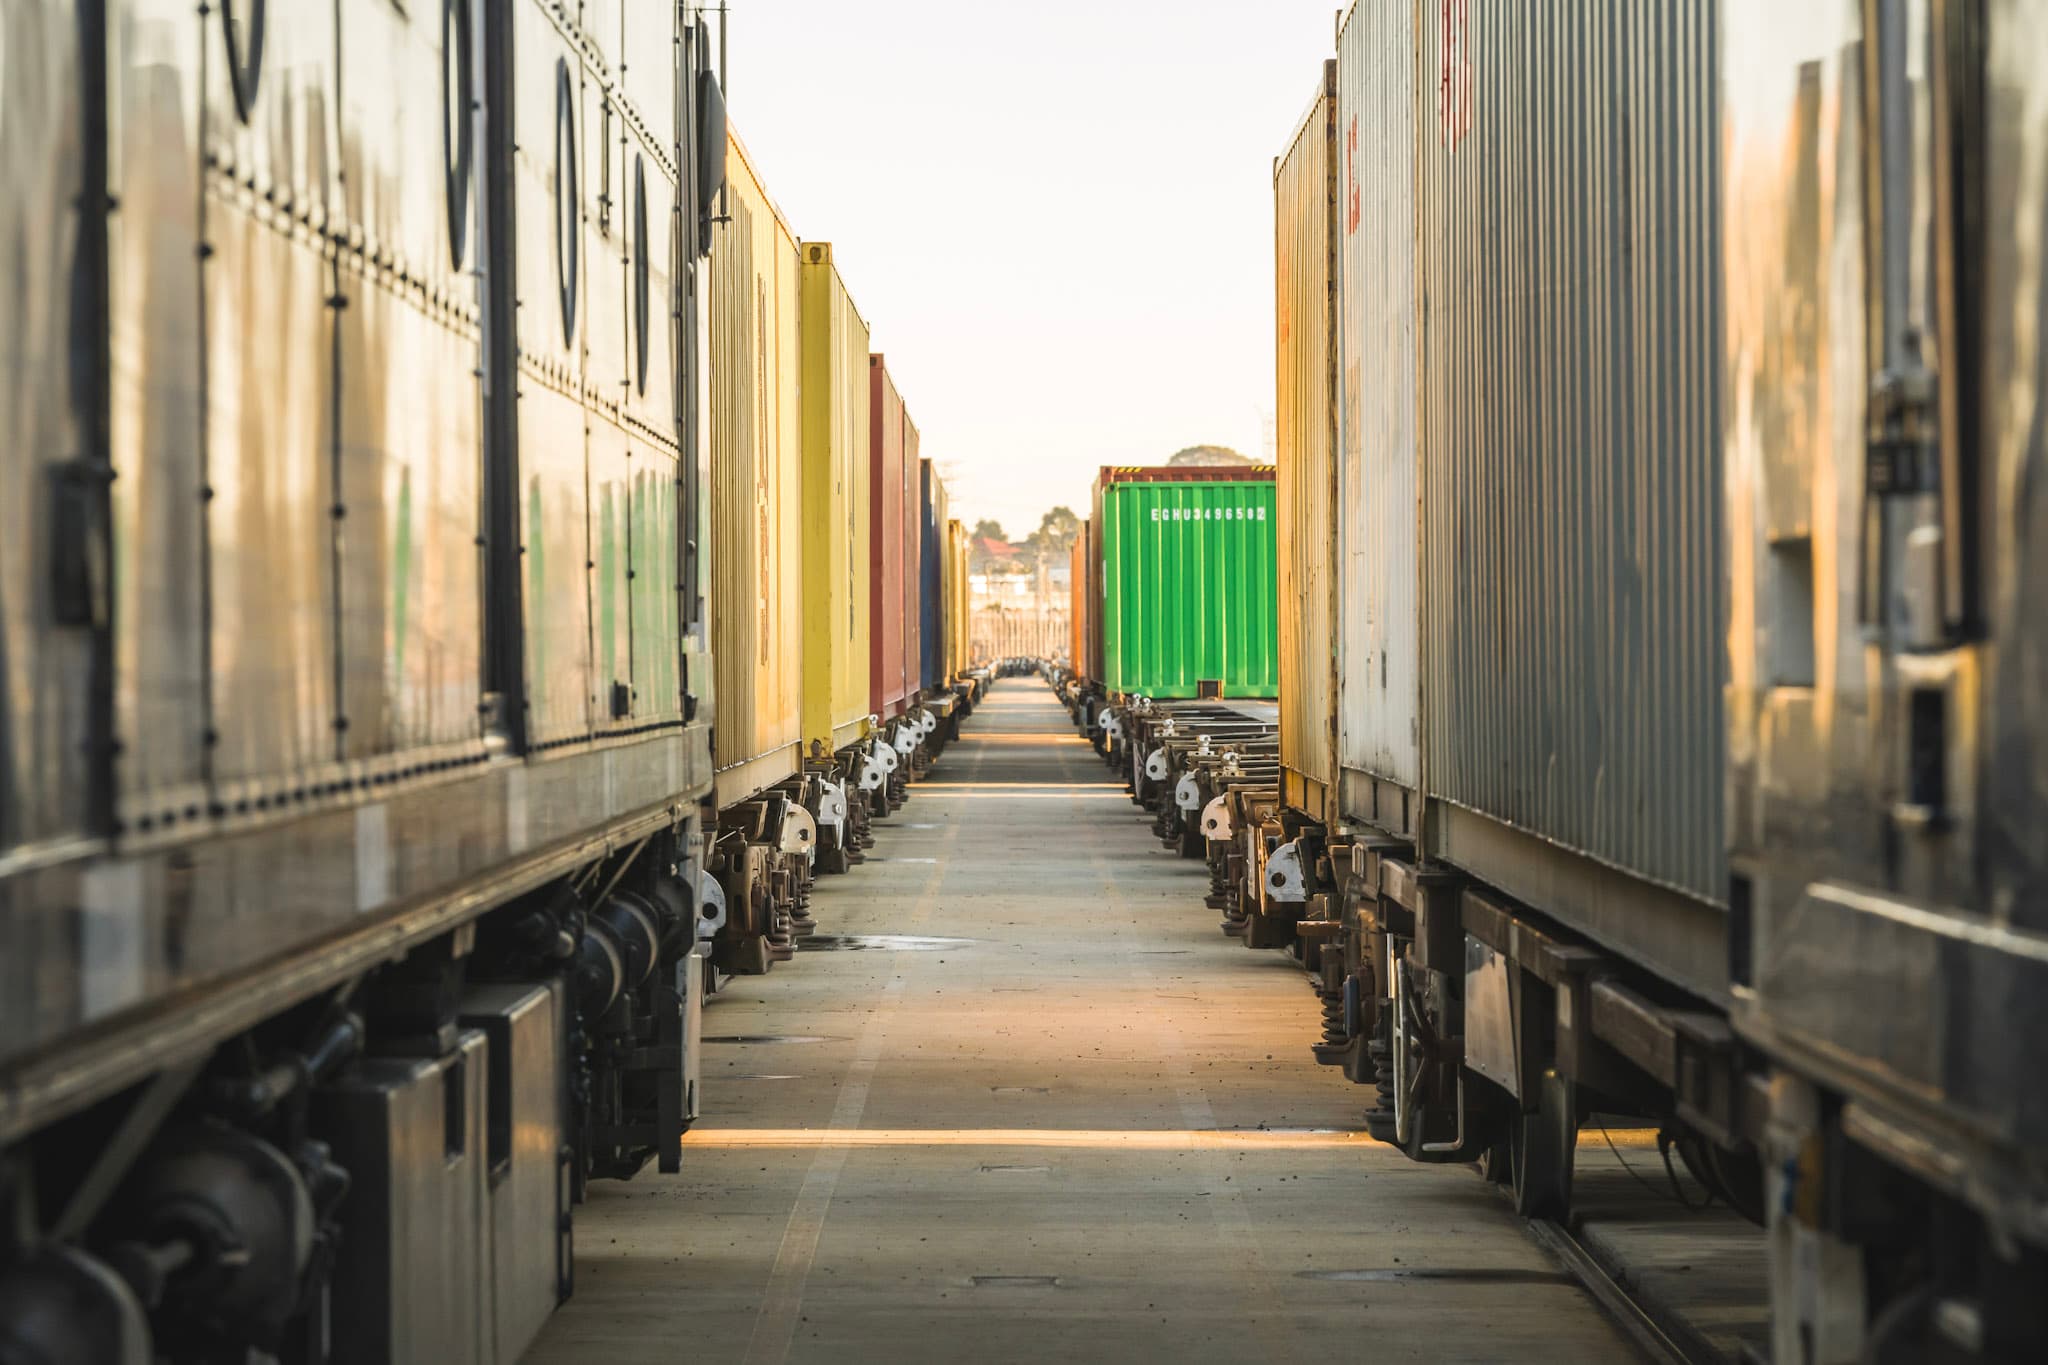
[{"x": 1189, "y": 604}]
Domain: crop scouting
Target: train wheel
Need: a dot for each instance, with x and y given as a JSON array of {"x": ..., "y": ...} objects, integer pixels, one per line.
[{"x": 1541, "y": 1147}]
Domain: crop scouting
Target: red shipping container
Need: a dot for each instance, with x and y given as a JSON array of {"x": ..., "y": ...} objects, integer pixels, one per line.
[
  {"x": 913, "y": 560},
  {"x": 888, "y": 681}
]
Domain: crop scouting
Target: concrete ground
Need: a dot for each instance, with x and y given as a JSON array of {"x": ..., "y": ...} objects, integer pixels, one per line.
[{"x": 1069, "y": 1121}]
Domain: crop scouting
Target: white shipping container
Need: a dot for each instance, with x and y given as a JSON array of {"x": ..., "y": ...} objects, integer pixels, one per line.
[{"x": 1376, "y": 433}]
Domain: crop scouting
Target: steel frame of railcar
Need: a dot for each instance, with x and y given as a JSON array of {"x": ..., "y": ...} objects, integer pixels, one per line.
[{"x": 148, "y": 937}]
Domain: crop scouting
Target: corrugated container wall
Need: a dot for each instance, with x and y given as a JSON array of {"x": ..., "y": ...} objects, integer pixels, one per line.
[
  {"x": 1080, "y": 614},
  {"x": 1189, "y": 599},
  {"x": 756, "y": 558},
  {"x": 956, "y": 600},
  {"x": 1568, "y": 184},
  {"x": 1092, "y": 668},
  {"x": 913, "y": 556},
  {"x": 931, "y": 579},
  {"x": 1378, "y": 97},
  {"x": 835, "y": 492},
  {"x": 887, "y": 535},
  {"x": 1304, "y": 218}
]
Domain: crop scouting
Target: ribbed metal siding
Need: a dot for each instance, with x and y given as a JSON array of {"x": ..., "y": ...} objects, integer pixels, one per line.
[
  {"x": 1380, "y": 96},
  {"x": 913, "y": 557},
  {"x": 1188, "y": 588},
  {"x": 834, "y": 392},
  {"x": 1570, "y": 275},
  {"x": 46, "y": 666},
  {"x": 757, "y": 647},
  {"x": 1080, "y": 612},
  {"x": 882, "y": 502},
  {"x": 956, "y": 600},
  {"x": 931, "y": 625},
  {"x": 1304, "y": 217}
]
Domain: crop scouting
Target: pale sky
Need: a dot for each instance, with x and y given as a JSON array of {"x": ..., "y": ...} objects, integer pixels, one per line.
[{"x": 1056, "y": 217}]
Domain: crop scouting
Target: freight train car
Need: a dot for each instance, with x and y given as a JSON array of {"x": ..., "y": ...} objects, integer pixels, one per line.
[
  {"x": 1083, "y": 612},
  {"x": 1886, "y": 505},
  {"x": 1625, "y": 559},
  {"x": 958, "y": 658},
  {"x": 839, "y": 609},
  {"x": 768, "y": 804},
  {"x": 893, "y": 508},
  {"x": 937, "y": 681},
  {"x": 882, "y": 506},
  {"x": 1514, "y": 819},
  {"x": 912, "y": 595},
  {"x": 1305, "y": 430},
  {"x": 354, "y": 724}
]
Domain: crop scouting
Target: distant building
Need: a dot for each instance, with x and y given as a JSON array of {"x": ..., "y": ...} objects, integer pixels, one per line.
[
  {"x": 986, "y": 554},
  {"x": 1015, "y": 613}
]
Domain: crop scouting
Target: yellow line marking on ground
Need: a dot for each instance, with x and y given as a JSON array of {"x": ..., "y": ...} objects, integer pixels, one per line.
[
  {"x": 1049, "y": 788},
  {"x": 1112, "y": 1139},
  {"x": 1033, "y": 796}
]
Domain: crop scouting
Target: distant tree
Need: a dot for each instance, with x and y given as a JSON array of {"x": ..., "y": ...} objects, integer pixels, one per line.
[
  {"x": 1054, "y": 536},
  {"x": 1210, "y": 455},
  {"x": 1058, "y": 528},
  {"x": 990, "y": 528}
]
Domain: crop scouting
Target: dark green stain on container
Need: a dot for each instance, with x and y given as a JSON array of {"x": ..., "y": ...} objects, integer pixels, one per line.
[
  {"x": 610, "y": 569},
  {"x": 1189, "y": 588}
]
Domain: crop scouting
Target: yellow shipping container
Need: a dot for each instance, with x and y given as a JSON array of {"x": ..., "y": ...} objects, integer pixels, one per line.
[
  {"x": 1305, "y": 240},
  {"x": 756, "y": 466},
  {"x": 835, "y": 493},
  {"x": 956, "y": 600}
]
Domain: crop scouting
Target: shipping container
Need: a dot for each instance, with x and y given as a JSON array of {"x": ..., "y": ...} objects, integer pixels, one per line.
[
  {"x": 1566, "y": 179},
  {"x": 931, "y": 625},
  {"x": 1304, "y": 239},
  {"x": 1188, "y": 565},
  {"x": 888, "y": 534},
  {"x": 55, "y": 778},
  {"x": 756, "y": 466},
  {"x": 344, "y": 703},
  {"x": 834, "y": 389},
  {"x": 913, "y": 558},
  {"x": 957, "y": 658},
  {"x": 1377, "y": 127},
  {"x": 1091, "y": 667},
  {"x": 1092, "y": 664},
  {"x": 1083, "y": 611}
]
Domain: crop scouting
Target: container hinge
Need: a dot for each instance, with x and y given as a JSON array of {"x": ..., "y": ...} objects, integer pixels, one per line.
[
  {"x": 1904, "y": 455},
  {"x": 81, "y": 569}
]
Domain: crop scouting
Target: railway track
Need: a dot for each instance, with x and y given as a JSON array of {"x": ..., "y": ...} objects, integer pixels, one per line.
[{"x": 1656, "y": 1335}]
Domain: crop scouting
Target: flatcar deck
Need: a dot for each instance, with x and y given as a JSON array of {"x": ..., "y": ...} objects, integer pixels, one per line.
[{"x": 1036, "y": 1108}]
